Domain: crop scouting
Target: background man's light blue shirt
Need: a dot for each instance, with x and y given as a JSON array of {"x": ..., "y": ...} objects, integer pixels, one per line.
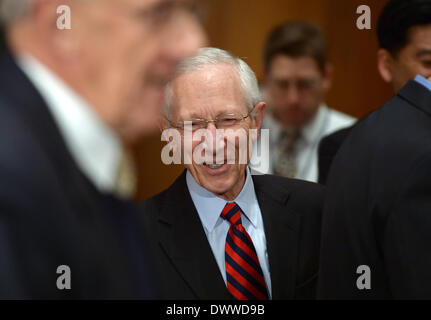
[
  {"x": 209, "y": 208},
  {"x": 423, "y": 81}
]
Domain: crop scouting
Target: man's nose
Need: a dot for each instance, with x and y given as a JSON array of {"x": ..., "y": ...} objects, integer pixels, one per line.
[
  {"x": 292, "y": 96},
  {"x": 215, "y": 138}
]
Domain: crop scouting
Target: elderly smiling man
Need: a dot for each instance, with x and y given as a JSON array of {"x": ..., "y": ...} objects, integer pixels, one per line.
[{"x": 220, "y": 232}]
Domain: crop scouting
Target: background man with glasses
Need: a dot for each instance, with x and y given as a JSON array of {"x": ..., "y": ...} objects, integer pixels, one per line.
[
  {"x": 219, "y": 232},
  {"x": 297, "y": 77}
]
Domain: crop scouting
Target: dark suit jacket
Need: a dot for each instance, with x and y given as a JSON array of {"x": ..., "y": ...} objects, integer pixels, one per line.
[
  {"x": 328, "y": 148},
  {"x": 51, "y": 215},
  {"x": 378, "y": 207},
  {"x": 291, "y": 211}
]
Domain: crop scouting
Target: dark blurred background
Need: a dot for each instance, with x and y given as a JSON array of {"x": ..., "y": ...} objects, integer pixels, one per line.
[{"x": 241, "y": 26}]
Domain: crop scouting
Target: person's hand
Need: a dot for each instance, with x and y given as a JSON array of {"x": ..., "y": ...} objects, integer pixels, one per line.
[{"x": 429, "y": 78}]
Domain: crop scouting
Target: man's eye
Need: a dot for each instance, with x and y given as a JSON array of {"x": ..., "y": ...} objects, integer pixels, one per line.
[
  {"x": 305, "y": 84},
  {"x": 282, "y": 84},
  {"x": 227, "y": 121},
  {"x": 197, "y": 124}
]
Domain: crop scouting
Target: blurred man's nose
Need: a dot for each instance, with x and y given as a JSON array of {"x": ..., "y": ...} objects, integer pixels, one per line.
[{"x": 292, "y": 97}]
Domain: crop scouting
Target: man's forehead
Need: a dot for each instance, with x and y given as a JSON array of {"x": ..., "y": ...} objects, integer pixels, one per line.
[
  {"x": 211, "y": 82},
  {"x": 210, "y": 74},
  {"x": 202, "y": 87},
  {"x": 420, "y": 36},
  {"x": 281, "y": 64}
]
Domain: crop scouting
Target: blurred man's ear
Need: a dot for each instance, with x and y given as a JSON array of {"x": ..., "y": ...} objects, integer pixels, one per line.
[
  {"x": 258, "y": 114},
  {"x": 44, "y": 13},
  {"x": 66, "y": 43},
  {"x": 328, "y": 73},
  {"x": 385, "y": 65}
]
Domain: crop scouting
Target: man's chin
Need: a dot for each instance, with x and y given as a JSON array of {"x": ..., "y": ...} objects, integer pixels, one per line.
[
  {"x": 217, "y": 188},
  {"x": 220, "y": 192}
]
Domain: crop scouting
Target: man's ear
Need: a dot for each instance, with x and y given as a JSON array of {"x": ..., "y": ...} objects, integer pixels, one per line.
[
  {"x": 328, "y": 73},
  {"x": 61, "y": 42},
  {"x": 385, "y": 63},
  {"x": 258, "y": 114}
]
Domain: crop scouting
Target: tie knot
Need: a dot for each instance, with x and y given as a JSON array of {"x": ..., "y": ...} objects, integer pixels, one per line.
[
  {"x": 232, "y": 213},
  {"x": 288, "y": 138}
]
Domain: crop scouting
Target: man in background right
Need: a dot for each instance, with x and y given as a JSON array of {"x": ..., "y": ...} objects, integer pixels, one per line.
[
  {"x": 297, "y": 78},
  {"x": 376, "y": 229}
]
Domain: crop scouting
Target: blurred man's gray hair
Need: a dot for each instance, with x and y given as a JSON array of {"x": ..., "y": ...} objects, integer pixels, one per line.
[
  {"x": 12, "y": 10},
  {"x": 214, "y": 56}
]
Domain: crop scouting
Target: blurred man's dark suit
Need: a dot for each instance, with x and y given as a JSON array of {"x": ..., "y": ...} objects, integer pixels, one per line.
[
  {"x": 328, "y": 148},
  {"x": 291, "y": 211},
  {"x": 51, "y": 215},
  {"x": 378, "y": 206}
]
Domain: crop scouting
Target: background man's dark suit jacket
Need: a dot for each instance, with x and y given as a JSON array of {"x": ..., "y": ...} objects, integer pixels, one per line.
[
  {"x": 328, "y": 148},
  {"x": 378, "y": 206},
  {"x": 291, "y": 213},
  {"x": 51, "y": 215}
]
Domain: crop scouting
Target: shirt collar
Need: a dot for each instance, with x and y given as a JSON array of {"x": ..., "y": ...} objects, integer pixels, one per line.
[
  {"x": 311, "y": 131},
  {"x": 423, "y": 81},
  {"x": 93, "y": 145},
  {"x": 209, "y": 206}
]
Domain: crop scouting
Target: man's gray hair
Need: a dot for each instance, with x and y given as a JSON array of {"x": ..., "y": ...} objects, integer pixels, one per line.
[
  {"x": 12, "y": 10},
  {"x": 214, "y": 56}
]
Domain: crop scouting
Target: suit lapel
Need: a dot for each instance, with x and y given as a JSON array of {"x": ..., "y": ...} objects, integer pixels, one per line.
[
  {"x": 183, "y": 239},
  {"x": 282, "y": 231}
]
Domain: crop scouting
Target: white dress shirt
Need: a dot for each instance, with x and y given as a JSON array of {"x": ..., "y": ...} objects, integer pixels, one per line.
[
  {"x": 209, "y": 208},
  {"x": 93, "y": 145},
  {"x": 325, "y": 122}
]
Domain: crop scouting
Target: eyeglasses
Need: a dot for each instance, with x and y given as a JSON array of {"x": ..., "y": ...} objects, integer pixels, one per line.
[{"x": 224, "y": 121}]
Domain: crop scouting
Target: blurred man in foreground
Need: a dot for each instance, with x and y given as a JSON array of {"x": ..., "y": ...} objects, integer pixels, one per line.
[
  {"x": 220, "y": 232},
  {"x": 376, "y": 230},
  {"x": 297, "y": 78},
  {"x": 69, "y": 101}
]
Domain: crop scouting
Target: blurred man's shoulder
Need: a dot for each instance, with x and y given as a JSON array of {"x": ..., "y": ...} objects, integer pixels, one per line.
[{"x": 22, "y": 157}]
